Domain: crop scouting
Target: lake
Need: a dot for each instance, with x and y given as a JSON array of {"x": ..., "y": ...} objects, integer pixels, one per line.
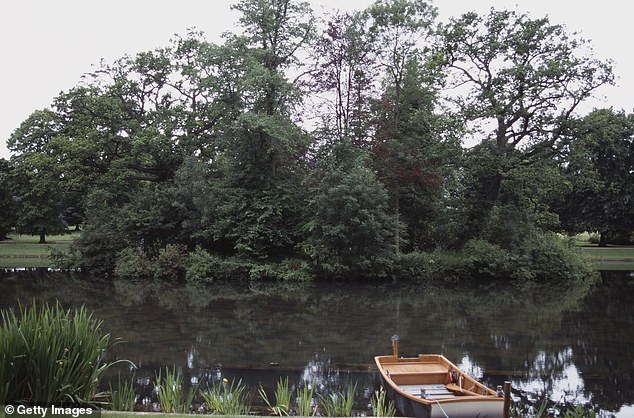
[{"x": 570, "y": 344}]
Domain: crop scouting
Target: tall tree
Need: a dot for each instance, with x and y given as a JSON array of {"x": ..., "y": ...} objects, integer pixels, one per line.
[
  {"x": 600, "y": 169},
  {"x": 7, "y": 203},
  {"x": 400, "y": 29},
  {"x": 417, "y": 159},
  {"x": 344, "y": 76},
  {"x": 519, "y": 81},
  {"x": 35, "y": 177},
  {"x": 349, "y": 228}
]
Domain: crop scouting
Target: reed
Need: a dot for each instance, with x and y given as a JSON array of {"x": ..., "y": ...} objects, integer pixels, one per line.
[
  {"x": 282, "y": 398},
  {"x": 227, "y": 398},
  {"x": 51, "y": 356},
  {"x": 123, "y": 398},
  {"x": 305, "y": 401},
  {"x": 339, "y": 404},
  {"x": 171, "y": 393},
  {"x": 381, "y": 405}
]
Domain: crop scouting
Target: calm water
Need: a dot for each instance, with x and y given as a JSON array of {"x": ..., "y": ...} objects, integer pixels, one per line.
[{"x": 572, "y": 344}]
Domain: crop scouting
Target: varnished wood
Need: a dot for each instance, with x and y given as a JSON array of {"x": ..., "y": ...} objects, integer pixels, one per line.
[{"x": 422, "y": 386}]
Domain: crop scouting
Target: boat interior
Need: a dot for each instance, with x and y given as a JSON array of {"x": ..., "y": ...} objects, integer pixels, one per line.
[{"x": 430, "y": 377}]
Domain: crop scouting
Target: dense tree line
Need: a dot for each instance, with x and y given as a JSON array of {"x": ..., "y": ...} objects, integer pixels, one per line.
[{"x": 307, "y": 148}]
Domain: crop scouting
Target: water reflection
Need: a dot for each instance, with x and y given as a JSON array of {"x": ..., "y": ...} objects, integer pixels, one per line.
[{"x": 570, "y": 343}]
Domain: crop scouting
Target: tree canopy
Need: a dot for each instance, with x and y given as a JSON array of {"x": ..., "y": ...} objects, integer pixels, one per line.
[{"x": 333, "y": 148}]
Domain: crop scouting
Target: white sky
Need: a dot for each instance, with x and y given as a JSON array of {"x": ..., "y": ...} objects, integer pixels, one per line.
[{"x": 46, "y": 45}]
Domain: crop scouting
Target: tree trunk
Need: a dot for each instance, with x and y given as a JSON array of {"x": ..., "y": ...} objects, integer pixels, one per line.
[{"x": 43, "y": 237}]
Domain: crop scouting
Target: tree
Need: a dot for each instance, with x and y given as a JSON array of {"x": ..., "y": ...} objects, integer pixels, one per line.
[
  {"x": 518, "y": 81},
  {"x": 349, "y": 229},
  {"x": 7, "y": 203},
  {"x": 35, "y": 177},
  {"x": 344, "y": 76},
  {"x": 416, "y": 158},
  {"x": 399, "y": 29},
  {"x": 600, "y": 169}
]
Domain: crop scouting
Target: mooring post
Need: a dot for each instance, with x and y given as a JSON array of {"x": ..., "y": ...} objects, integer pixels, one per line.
[
  {"x": 507, "y": 398},
  {"x": 395, "y": 346}
]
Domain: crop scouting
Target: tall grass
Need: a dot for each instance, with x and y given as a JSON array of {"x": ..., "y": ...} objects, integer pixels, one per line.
[
  {"x": 339, "y": 404},
  {"x": 282, "y": 398},
  {"x": 51, "y": 355},
  {"x": 171, "y": 392},
  {"x": 305, "y": 401},
  {"x": 123, "y": 397},
  {"x": 381, "y": 405},
  {"x": 227, "y": 398}
]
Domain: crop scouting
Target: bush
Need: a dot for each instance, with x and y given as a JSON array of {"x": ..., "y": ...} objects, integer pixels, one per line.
[
  {"x": 132, "y": 264},
  {"x": 487, "y": 260},
  {"x": 51, "y": 356},
  {"x": 293, "y": 270},
  {"x": 200, "y": 266},
  {"x": 170, "y": 262},
  {"x": 542, "y": 256},
  {"x": 553, "y": 258}
]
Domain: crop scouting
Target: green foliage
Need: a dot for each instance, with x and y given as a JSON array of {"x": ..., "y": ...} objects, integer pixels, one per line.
[
  {"x": 522, "y": 79},
  {"x": 304, "y": 397},
  {"x": 382, "y": 406},
  {"x": 227, "y": 398},
  {"x": 7, "y": 204},
  {"x": 171, "y": 392},
  {"x": 339, "y": 404},
  {"x": 170, "y": 262},
  {"x": 132, "y": 264},
  {"x": 599, "y": 169},
  {"x": 202, "y": 146},
  {"x": 349, "y": 227},
  {"x": 49, "y": 355},
  {"x": 282, "y": 398},
  {"x": 201, "y": 266},
  {"x": 538, "y": 257},
  {"x": 123, "y": 397},
  {"x": 291, "y": 270}
]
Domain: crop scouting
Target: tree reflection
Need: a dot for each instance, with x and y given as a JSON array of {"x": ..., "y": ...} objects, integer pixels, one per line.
[{"x": 558, "y": 341}]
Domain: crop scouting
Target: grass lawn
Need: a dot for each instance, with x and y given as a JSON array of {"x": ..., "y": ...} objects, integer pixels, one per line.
[
  {"x": 25, "y": 251},
  {"x": 611, "y": 258}
]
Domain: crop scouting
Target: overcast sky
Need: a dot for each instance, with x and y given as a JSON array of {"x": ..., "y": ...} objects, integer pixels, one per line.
[{"x": 46, "y": 45}]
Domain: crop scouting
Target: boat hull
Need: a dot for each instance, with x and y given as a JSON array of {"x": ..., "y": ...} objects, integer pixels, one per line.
[{"x": 410, "y": 405}]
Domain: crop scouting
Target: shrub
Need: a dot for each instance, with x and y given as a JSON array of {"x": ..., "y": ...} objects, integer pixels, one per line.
[
  {"x": 553, "y": 258},
  {"x": 293, "y": 270},
  {"x": 200, "y": 266},
  {"x": 51, "y": 356},
  {"x": 132, "y": 264},
  {"x": 412, "y": 266},
  {"x": 170, "y": 262},
  {"x": 488, "y": 260}
]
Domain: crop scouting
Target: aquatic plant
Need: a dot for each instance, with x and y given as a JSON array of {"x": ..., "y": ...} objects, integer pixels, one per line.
[
  {"x": 51, "y": 355},
  {"x": 305, "y": 400},
  {"x": 170, "y": 392},
  {"x": 123, "y": 397},
  {"x": 339, "y": 404},
  {"x": 381, "y": 405},
  {"x": 282, "y": 397},
  {"x": 227, "y": 398}
]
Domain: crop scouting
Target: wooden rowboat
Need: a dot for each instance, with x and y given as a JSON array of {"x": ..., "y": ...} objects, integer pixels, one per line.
[{"x": 430, "y": 386}]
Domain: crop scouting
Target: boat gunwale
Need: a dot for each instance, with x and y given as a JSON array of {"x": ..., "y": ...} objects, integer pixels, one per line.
[{"x": 443, "y": 361}]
